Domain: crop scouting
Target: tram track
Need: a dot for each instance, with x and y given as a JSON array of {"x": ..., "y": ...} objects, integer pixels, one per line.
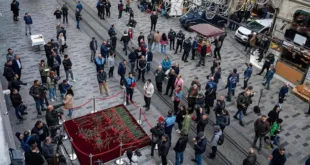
[{"x": 167, "y": 102}]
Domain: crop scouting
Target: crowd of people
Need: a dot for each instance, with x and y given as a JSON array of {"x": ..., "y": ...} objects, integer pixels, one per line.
[{"x": 39, "y": 140}]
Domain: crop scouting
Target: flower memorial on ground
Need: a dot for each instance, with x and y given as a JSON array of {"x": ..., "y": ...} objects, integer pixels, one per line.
[{"x": 101, "y": 134}]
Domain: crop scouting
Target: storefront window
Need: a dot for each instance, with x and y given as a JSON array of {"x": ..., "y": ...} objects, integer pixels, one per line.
[{"x": 296, "y": 59}]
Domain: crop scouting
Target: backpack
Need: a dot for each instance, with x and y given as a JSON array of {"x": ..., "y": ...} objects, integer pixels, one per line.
[
  {"x": 25, "y": 145},
  {"x": 233, "y": 79},
  {"x": 221, "y": 140},
  {"x": 169, "y": 121}
]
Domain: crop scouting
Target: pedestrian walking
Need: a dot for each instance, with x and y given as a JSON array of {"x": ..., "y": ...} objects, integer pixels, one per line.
[
  {"x": 148, "y": 93},
  {"x": 273, "y": 115},
  {"x": 111, "y": 63},
  {"x": 79, "y": 6},
  {"x": 43, "y": 69},
  {"x": 283, "y": 92},
  {"x": 243, "y": 101},
  {"x": 159, "y": 78},
  {"x": 10, "y": 55},
  {"x": 203, "y": 54},
  {"x": 62, "y": 43},
  {"x": 107, "y": 8},
  {"x": 177, "y": 96},
  {"x": 277, "y": 157},
  {"x": 78, "y": 18},
  {"x": 51, "y": 83},
  {"x": 180, "y": 38},
  {"x": 17, "y": 66},
  {"x": 192, "y": 95},
  {"x": 15, "y": 10},
  {"x": 125, "y": 39},
  {"x": 113, "y": 40},
  {"x": 18, "y": 105},
  {"x": 214, "y": 142},
  {"x": 157, "y": 41},
  {"x": 93, "y": 46},
  {"x": 180, "y": 113},
  {"x": 58, "y": 14},
  {"x": 68, "y": 67},
  {"x": 247, "y": 75},
  {"x": 149, "y": 59},
  {"x": 64, "y": 10},
  {"x": 169, "y": 123},
  {"x": 163, "y": 149},
  {"x": 200, "y": 143},
  {"x": 179, "y": 149},
  {"x": 153, "y": 18},
  {"x": 171, "y": 35},
  {"x": 232, "y": 81},
  {"x": 102, "y": 80},
  {"x": 120, "y": 9},
  {"x": 100, "y": 7},
  {"x": 28, "y": 23},
  {"x": 274, "y": 131},
  {"x": 164, "y": 43},
  {"x": 150, "y": 40},
  {"x": 261, "y": 127},
  {"x": 251, "y": 158},
  {"x": 269, "y": 76},
  {"x": 68, "y": 101},
  {"x": 194, "y": 47},
  {"x": 157, "y": 132},
  {"x": 269, "y": 60},
  {"x": 217, "y": 49},
  {"x": 99, "y": 61},
  {"x": 222, "y": 119},
  {"x": 141, "y": 68},
  {"x": 38, "y": 95},
  {"x": 121, "y": 71},
  {"x": 130, "y": 84},
  {"x": 62, "y": 87},
  {"x": 187, "y": 45}
]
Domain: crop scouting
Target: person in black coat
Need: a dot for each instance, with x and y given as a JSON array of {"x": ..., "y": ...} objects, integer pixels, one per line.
[
  {"x": 187, "y": 45},
  {"x": 113, "y": 42},
  {"x": 41, "y": 130},
  {"x": 203, "y": 54},
  {"x": 54, "y": 63},
  {"x": 163, "y": 149},
  {"x": 278, "y": 156},
  {"x": 179, "y": 148},
  {"x": 17, "y": 102},
  {"x": 15, "y": 9},
  {"x": 180, "y": 114},
  {"x": 153, "y": 18},
  {"x": 273, "y": 115},
  {"x": 8, "y": 72},
  {"x": 63, "y": 31},
  {"x": 33, "y": 157},
  {"x": 157, "y": 132},
  {"x": 283, "y": 92},
  {"x": 15, "y": 83},
  {"x": 171, "y": 80},
  {"x": 200, "y": 143},
  {"x": 269, "y": 60},
  {"x": 201, "y": 124},
  {"x": 17, "y": 66},
  {"x": 250, "y": 159},
  {"x": 125, "y": 39},
  {"x": 93, "y": 46}
]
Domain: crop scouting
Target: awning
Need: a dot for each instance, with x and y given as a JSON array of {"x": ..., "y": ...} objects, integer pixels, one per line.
[{"x": 207, "y": 30}]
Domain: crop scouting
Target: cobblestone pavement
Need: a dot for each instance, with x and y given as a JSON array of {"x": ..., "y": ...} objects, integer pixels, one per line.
[{"x": 295, "y": 134}]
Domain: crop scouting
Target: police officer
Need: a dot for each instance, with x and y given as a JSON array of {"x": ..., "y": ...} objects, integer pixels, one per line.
[
  {"x": 171, "y": 35},
  {"x": 180, "y": 37},
  {"x": 187, "y": 45}
]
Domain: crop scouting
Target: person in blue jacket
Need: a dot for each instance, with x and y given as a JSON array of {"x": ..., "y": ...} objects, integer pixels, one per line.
[
  {"x": 130, "y": 84},
  {"x": 194, "y": 47},
  {"x": 99, "y": 61},
  {"x": 283, "y": 92},
  {"x": 104, "y": 49},
  {"x": 169, "y": 123},
  {"x": 79, "y": 6},
  {"x": 269, "y": 76},
  {"x": 232, "y": 81},
  {"x": 247, "y": 75},
  {"x": 28, "y": 22},
  {"x": 166, "y": 64}
]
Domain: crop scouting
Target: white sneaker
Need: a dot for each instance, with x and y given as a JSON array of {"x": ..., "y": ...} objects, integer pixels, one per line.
[
  {"x": 52, "y": 100},
  {"x": 55, "y": 97},
  {"x": 74, "y": 80}
]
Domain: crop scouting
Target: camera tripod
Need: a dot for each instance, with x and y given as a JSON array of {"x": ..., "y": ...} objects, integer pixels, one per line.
[{"x": 58, "y": 149}]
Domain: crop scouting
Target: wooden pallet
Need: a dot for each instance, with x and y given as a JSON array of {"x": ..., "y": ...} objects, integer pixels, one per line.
[{"x": 300, "y": 95}]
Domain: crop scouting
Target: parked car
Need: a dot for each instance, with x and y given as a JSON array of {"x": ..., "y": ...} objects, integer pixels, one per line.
[{"x": 258, "y": 26}]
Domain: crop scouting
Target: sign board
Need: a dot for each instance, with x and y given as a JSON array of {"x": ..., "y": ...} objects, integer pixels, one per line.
[{"x": 301, "y": 40}]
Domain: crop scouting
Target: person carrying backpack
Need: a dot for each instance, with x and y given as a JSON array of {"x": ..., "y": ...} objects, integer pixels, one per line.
[
  {"x": 217, "y": 139},
  {"x": 232, "y": 81}
]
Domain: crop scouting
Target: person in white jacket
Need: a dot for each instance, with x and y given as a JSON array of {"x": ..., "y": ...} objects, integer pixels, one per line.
[
  {"x": 62, "y": 42},
  {"x": 148, "y": 93}
]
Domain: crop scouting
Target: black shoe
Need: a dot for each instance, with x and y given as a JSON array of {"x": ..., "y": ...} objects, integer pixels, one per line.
[
  {"x": 30, "y": 33},
  {"x": 307, "y": 113},
  {"x": 271, "y": 145},
  {"x": 241, "y": 123},
  {"x": 210, "y": 157},
  {"x": 146, "y": 109},
  {"x": 236, "y": 117},
  {"x": 39, "y": 113},
  {"x": 202, "y": 64},
  {"x": 26, "y": 34},
  {"x": 242, "y": 87},
  {"x": 166, "y": 94},
  {"x": 21, "y": 119},
  {"x": 258, "y": 74},
  {"x": 185, "y": 61},
  {"x": 24, "y": 113},
  {"x": 193, "y": 160},
  {"x": 245, "y": 114},
  {"x": 43, "y": 109},
  {"x": 263, "y": 84},
  {"x": 144, "y": 106},
  {"x": 170, "y": 95},
  {"x": 192, "y": 59}
]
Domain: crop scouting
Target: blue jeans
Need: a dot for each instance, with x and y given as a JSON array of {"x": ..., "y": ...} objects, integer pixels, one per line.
[
  {"x": 39, "y": 105},
  {"x": 150, "y": 45},
  {"x": 179, "y": 158},
  {"x": 164, "y": 49},
  {"x": 18, "y": 112},
  {"x": 132, "y": 66},
  {"x": 270, "y": 163},
  {"x": 70, "y": 112},
  {"x": 62, "y": 95},
  {"x": 198, "y": 159},
  {"x": 148, "y": 67},
  {"x": 78, "y": 24},
  {"x": 275, "y": 140},
  {"x": 267, "y": 83},
  {"x": 51, "y": 92},
  {"x": 240, "y": 113}
]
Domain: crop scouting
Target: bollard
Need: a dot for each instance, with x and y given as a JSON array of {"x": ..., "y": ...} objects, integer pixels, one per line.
[
  {"x": 90, "y": 159},
  {"x": 124, "y": 97},
  {"x": 140, "y": 121},
  {"x": 120, "y": 160},
  {"x": 94, "y": 105},
  {"x": 72, "y": 156}
]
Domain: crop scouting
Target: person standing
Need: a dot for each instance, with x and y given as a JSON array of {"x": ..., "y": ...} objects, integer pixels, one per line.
[
  {"x": 41, "y": 130},
  {"x": 202, "y": 122},
  {"x": 187, "y": 48},
  {"x": 140, "y": 39},
  {"x": 55, "y": 62},
  {"x": 93, "y": 46},
  {"x": 68, "y": 101},
  {"x": 223, "y": 119},
  {"x": 34, "y": 157},
  {"x": 179, "y": 149},
  {"x": 157, "y": 133},
  {"x": 133, "y": 55},
  {"x": 216, "y": 136},
  {"x": 149, "y": 59},
  {"x": 104, "y": 50},
  {"x": 269, "y": 60},
  {"x": 38, "y": 96},
  {"x": 273, "y": 115},
  {"x": 125, "y": 39},
  {"x": 43, "y": 69},
  {"x": 15, "y": 83},
  {"x": 194, "y": 47},
  {"x": 15, "y": 9},
  {"x": 153, "y": 18},
  {"x": 10, "y": 55},
  {"x": 130, "y": 84},
  {"x": 120, "y": 9},
  {"x": 58, "y": 14},
  {"x": 283, "y": 92},
  {"x": 247, "y": 75},
  {"x": 79, "y": 6},
  {"x": 192, "y": 95},
  {"x": 62, "y": 43},
  {"x": 48, "y": 149},
  {"x": 68, "y": 67},
  {"x": 248, "y": 45},
  {"x": 111, "y": 63},
  {"x": 148, "y": 93},
  {"x": 157, "y": 41},
  {"x": 141, "y": 68},
  {"x": 99, "y": 61},
  {"x": 64, "y": 10},
  {"x": 100, "y": 6},
  {"x": 159, "y": 78},
  {"x": 107, "y": 8},
  {"x": 274, "y": 131},
  {"x": 277, "y": 157},
  {"x": 180, "y": 38},
  {"x": 150, "y": 40},
  {"x": 62, "y": 87},
  {"x": 51, "y": 83},
  {"x": 164, "y": 43},
  {"x": 163, "y": 149},
  {"x": 8, "y": 72},
  {"x": 28, "y": 23},
  {"x": 269, "y": 76},
  {"x": 180, "y": 113},
  {"x": 261, "y": 127},
  {"x": 17, "y": 103},
  {"x": 251, "y": 158},
  {"x": 102, "y": 80},
  {"x": 17, "y": 66},
  {"x": 210, "y": 94},
  {"x": 203, "y": 54},
  {"x": 200, "y": 143},
  {"x": 121, "y": 71},
  {"x": 232, "y": 81},
  {"x": 78, "y": 18},
  {"x": 243, "y": 101},
  {"x": 171, "y": 35},
  {"x": 218, "y": 45}
]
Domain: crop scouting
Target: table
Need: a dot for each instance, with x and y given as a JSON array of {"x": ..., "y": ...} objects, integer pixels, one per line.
[{"x": 38, "y": 40}]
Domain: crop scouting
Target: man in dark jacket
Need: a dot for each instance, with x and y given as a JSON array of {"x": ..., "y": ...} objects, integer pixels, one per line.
[
  {"x": 63, "y": 31},
  {"x": 194, "y": 47},
  {"x": 232, "y": 81},
  {"x": 17, "y": 66},
  {"x": 171, "y": 35},
  {"x": 218, "y": 45},
  {"x": 58, "y": 14},
  {"x": 200, "y": 143},
  {"x": 34, "y": 157},
  {"x": 187, "y": 45},
  {"x": 141, "y": 68},
  {"x": 28, "y": 22},
  {"x": 48, "y": 149},
  {"x": 104, "y": 50},
  {"x": 101, "y": 8},
  {"x": 107, "y": 8},
  {"x": 163, "y": 149},
  {"x": 153, "y": 18},
  {"x": 203, "y": 54},
  {"x": 179, "y": 149},
  {"x": 210, "y": 94},
  {"x": 17, "y": 102},
  {"x": 64, "y": 10},
  {"x": 40, "y": 129},
  {"x": 15, "y": 9},
  {"x": 113, "y": 42},
  {"x": 48, "y": 49},
  {"x": 68, "y": 67},
  {"x": 250, "y": 159},
  {"x": 52, "y": 115},
  {"x": 141, "y": 36},
  {"x": 15, "y": 83},
  {"x": 269, "y": 60},
  {"x": 8, "y": 72},
  {"x": 269, "y": 75},
  {"x": 278, "y": 157},
  {"x": 243, "y": 101},
  {"x": 38, "y": 95},
  {"x": 202, "y": 122},
  {"x": 261, "y": 127},
  {"x": 180, "y": 38},
  {"x": 133, "y": 58},
  {"x": 159, "y": 78},
  {"x": 157, "y": 132},
  {"x": 93, "y": 46},
  {"x": 171, "y": 80},
  {"x": 283, "y": 92},
  {"x": 125, "y": 39},
  {"x": 122, "y": 71},
  {"x": 102, "y": 80},
  {"x": 247, "y": 75}
]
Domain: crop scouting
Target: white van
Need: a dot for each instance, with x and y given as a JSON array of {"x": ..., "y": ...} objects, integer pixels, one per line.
[{"x": 258, "y": 26}]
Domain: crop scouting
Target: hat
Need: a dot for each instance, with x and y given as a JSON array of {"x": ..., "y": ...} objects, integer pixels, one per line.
[
  {"x": 160, "y": 119},
  {"x": 17, "y": 134},
  {"x": 216, "y": 127},
  {"x": 200, "y": 134}
]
